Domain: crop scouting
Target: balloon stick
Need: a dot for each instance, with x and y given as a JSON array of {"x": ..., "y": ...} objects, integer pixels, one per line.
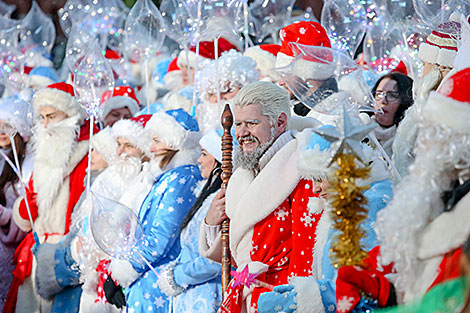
[
  {"x": 196, "y": 61},
  {"x": 20, "y": 176},
  {"x": 245, "y": 17},
  {"x": 88, "y": 178},
  {"x": 148, "y": 264},
  {"x": 217, "y": 85},
  {"x": 147, "y": 83}
]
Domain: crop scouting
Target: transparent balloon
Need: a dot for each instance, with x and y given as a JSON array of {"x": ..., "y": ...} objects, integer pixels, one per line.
[
  {"x": 71, "y": 12},
  {"x": 15, "y": 116},
  {"x": 273, "y": 15},
  {"x": 323, "y": 79},
  {"x": 374, "y": 15},
  {"x": 115, "y": 228},
  {"x": 6, "y": 9},
  {"x": 180, "y": 22},
  {"x": 345, "y": 22},
  {"x": 144, "y": 31},
  {"x": 37, "y": 30},
  {"x": 398, "y": 10},
  {"x": 92, "y": 77},
  {"x": 435, "y": 12},
  {"x": 78, "y": 40}
]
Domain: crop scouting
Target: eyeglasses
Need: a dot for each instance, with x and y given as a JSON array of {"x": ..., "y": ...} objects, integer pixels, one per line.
[{"x": 390, "y": 96}]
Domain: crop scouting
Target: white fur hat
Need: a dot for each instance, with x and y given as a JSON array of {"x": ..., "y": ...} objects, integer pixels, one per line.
[
  {"x": 441, "y": 45},
  {"x": 176, "y": 128},
  {"x": 135, "y": 131},
  {"x": 60, "y": 96},
  {"x": 17, "y": 113},
  {"x": 105, "y": 143}
]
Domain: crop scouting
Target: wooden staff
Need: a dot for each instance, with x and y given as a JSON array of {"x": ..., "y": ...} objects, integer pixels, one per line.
[{"x": 227, "y": 148}]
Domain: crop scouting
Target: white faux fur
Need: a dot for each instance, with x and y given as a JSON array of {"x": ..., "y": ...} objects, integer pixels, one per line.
[
  {"x": 122, "y": 272},
  {"x": 167, "y": 129},
  {"x": 265, "y": 60},
  {"x": 191, "y": 59},
  {"x": 245, "y": 192},
  {"x": 446, "y": 232},
  {"x": 57, "y": 99},
  {"x": 308, "y": 295},
  {"x": 299, "y": 123},
  {"x": 435, "y": 55},
  {"x": 135, "y": 133},
  {"x": 88, "y": 305},
  {"x": 312, "y": 70},
  {"x": 321, "y": 237},
  {"x": 443, "y": 110},
  {"x": 118, "y": 102},
  {"x": 38, "y": 81},
  {"x": 313, "y": 163},
  {"x": 282, "y": 60}
]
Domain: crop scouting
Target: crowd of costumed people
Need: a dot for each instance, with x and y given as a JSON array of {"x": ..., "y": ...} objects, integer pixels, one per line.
[{"x": 234, "y": 156}]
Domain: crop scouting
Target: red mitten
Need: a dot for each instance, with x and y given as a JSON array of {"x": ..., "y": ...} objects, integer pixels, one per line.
[
  {"x": 351, "y": 280},
  {"x": 31, "y": 197}
]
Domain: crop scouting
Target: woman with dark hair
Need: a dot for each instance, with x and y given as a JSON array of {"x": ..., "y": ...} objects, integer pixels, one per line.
[
  {"x": 13, "y": 121},
  {"x": 192, "y": 280},
  {"x": 393, "y": 93}
]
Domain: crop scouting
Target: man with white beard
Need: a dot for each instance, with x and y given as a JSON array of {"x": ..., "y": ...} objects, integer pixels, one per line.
[
  {"x": 57, "y": 182},
  {"x": 266, "y": 198},
  {"x": 438, "y": 54}
]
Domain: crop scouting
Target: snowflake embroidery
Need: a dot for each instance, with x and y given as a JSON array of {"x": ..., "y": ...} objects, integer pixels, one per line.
[
  {"x": 173, "y": 176},
  {"x": 278, "y": 308},
  {"x": 159, "y": 302},
  {"x": 171, "y": 189},
  {"x": 180, "y": 200},
  {"x": 345, "y": 304},
  {"x": 302, "y": 30},
  {"x": 308, "y": 220},
  {"x": 146, "y": 296},
  {"x": 331, "y": 308},
  {"x": 154, "y": 253},
  {"x": 323, "y": 288},
  {"x": 182, "y": 180},
  {"x": 155, "y": 285},
  {"x": 171, "y": 209},
  {"x": 281, "y": 214}
]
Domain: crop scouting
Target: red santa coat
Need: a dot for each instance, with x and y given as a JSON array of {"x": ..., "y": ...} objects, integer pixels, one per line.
[
  {"x": 271, "y": 228},
  {"x": 52, "y": 221}
]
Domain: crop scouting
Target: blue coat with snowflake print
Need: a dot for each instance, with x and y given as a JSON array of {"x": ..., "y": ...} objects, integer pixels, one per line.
[{"x": 161, "y": 214}]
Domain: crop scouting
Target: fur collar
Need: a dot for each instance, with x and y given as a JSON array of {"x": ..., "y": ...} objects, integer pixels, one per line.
[
  {"x": 446, "y": 232},
  {"x": 246, "y": 192},
  {"x": 321, "y": 237},
  {"x": 277, "y": 145}
]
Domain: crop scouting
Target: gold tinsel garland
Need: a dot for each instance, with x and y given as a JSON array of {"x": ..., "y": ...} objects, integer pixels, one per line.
[{"x": 349, "y": 211}]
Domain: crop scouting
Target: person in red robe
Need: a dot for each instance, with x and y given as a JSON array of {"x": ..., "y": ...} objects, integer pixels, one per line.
[
  {"x": 272, "y": 232},
  {"x": 56, "y": 184}
]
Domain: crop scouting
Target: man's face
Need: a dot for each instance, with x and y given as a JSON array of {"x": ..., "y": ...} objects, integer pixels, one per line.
[
  {"x": 116, "y": 115},
  {"x": 127, "y": 148},
  {"x": 51, "y": 115},
  {"x": 252, "y": 127},
  {"x": 187, "y": 74}
]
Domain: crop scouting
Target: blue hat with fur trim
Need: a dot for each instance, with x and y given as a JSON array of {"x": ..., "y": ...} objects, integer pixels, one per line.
[
  {"x": 176, "y": 128},
  {"x": 314, "y": 158},
  {"x": 160, "y": 70},
  {"x": 42, "y": 76}
]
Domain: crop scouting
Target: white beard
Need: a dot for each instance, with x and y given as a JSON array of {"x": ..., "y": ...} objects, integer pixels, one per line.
[{"x": 53, "y": 147}]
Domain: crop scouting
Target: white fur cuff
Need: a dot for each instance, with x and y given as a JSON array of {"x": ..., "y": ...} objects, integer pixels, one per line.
[
  {"x": 308, "y": 295},
  {"x": 122, "y": 272}
]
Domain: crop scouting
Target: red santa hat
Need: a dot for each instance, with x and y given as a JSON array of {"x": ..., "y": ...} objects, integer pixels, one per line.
[
  {"x": 111, "y": 55},
  {"x": 60, "y": 96},
  {"x": 206, "y": 51},
  {"x": 133, "y": 129},
  {"x": 121, "y": 97},
  {"x": 264, "y": 55},
  {"x": 304, "y": 32},
  {"x": 173, "y": 73},
  {"x": 450, "y": 105},
  {"x": 441, "y": 45}
]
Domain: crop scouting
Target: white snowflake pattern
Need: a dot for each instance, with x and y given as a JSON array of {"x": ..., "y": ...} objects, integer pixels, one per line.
[
  {"x": 171, "y": 209},
  {"x": 155, "y": 285},
  {"x": 154, "y": 253},
  {"x": 302, "y": 30},
  {"x": 345, "y": 304},
  {"x": 331, "y": 308},
  {"x": 146, "y": 296},
  {"x": 182, "y": 180},
  {"x": 159, "y": 302},
  {"x": 173, "y": 176},
  {"x": 171, "y": 189},
  {"x": 308, "y": 220},
  {"x": 281, "y": 214},
  {"x": 131, "y": 310},
  {"x": 278, "y": 308},
  {"x": 179, "y": 200},
  {"x": 323, "y": 288}
]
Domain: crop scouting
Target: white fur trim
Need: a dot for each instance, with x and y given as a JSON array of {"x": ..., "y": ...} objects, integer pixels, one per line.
[
  {"x": 105, "y": 143},
  {"x": 446, "y": 232},
  {"x": 443, "y": 110},
  {"x": 212, "y": 143},
  {"x": 312, "y": 70},
  {"x": 38, "y": 81},
  {"x": 321, "y": 237},
  {"x": 191, "y": 59},
  {"x": 122, "y": 272},
  {"x": 88, "y": 305},
  {"x": 245, "y": 192},
  {"x": 435, "y": 55},
  {"x": 282, "y": 60},
  {"x": 22, "y": 223},
  {"x": 176, "y": 101},
  {"x": 135, "y": 133},
  {"x": 57, "y": 99},
  {"x": 167, "y": 129},
  {"x": 265, "y": 60},
  {"x": 308, "y": 295},
  {"x": 118, "y": 102},
  {"x": 313, "y": 163},
  {"x": 173, "y": 80},
  {"x": 299, "y": 123}
]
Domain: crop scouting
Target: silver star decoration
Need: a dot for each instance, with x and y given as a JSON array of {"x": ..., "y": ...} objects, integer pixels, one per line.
[{"x": 346, "y": 137}]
